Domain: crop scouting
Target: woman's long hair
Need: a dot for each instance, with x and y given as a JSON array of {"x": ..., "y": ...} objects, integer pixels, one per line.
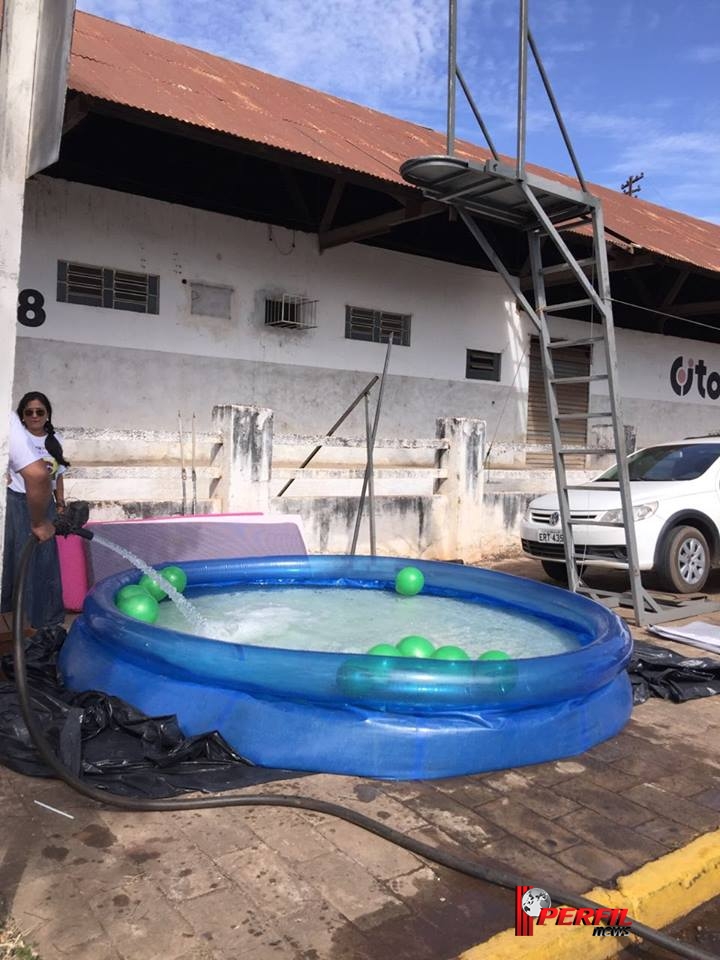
[{"x": 52, "y": 444}]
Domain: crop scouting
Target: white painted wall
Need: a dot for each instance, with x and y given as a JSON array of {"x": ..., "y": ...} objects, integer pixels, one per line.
[
  {"x": 125, "y": 370},
  {"x": 139, "y": 369}
]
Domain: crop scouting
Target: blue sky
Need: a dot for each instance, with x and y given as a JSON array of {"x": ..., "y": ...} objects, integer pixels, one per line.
[{"x": 638, "y": 81}]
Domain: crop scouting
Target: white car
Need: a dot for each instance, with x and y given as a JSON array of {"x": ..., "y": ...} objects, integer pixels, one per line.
[{"x": 675, "y": 489}]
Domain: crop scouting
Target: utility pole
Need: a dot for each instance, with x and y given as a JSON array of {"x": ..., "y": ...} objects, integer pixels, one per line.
[{"x": 629, "y": 186}]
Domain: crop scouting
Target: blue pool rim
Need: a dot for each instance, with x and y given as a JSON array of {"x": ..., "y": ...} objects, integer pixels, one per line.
[{"x": 394, "y": 718}]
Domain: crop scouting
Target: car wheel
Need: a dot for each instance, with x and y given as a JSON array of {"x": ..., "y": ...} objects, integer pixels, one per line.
[
  {"x": 558, "y": 571},
  {"x": 685, "y": 565}
]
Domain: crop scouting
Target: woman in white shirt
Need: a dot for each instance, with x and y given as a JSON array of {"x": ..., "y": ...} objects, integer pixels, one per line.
[{"x": 44, "y": 606}]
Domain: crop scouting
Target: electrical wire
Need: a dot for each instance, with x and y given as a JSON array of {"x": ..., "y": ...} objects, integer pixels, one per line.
[
  {"x": 663, "y": 313},
  {"x": 441, "y": 857}
]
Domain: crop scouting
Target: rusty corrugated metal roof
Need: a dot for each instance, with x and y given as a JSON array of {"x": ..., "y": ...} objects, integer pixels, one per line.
[{"x": 126, "y": 66}]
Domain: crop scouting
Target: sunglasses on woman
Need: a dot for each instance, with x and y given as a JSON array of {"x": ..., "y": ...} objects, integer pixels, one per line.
[{"x": 34, "y": 413}]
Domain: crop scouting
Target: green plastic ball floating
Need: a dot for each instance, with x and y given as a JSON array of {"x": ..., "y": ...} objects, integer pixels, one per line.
[
  {"x": 140, "y": 606},
  {"x": 414, "y": 646},
  {"x": 129, "y": 590},
  {"x": 175, "y": 576},
  {"x": 409, "y": 581},
  {"x": 154, "y": 589},
  {"x": 383, "y": 650},
  {"x": 450, "y": 653},
  {"x": 494, "y": 655}
]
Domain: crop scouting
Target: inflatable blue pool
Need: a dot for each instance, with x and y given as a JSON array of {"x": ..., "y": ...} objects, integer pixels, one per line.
[{"x": 388, "y": 717}]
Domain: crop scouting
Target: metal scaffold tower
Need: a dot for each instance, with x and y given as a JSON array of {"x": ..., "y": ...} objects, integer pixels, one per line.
[{"x": 543, "y": 209}]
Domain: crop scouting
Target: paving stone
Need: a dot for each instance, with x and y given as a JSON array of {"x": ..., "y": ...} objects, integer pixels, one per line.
[
  {"x": 513, "y": 818},
  {"x": 182, "y": 871},
  {"x": 606, "y": 775},
  {"x": 42, "y": 905},
  {"x": 604, "y": 801},
  {"x": 643, "y": 768},
  {"x": 623, "y": 842},
  {"x": 408, "y": 885},
  {"x": 382, "y": 859},
  {"x": 233, "y": 928},
  {"x": 351, "y": 890},
  {"x": 290, "y": 833},
  {"x": 141, "y": 923},
  {"x": 470, "y": 791},
  {"x": 531, "y": 866},
  {"x": 454, "y": 818},
  {"x": 668, "y": 832},
  {"x": 599, "y": 866},
  {"x": 323, "y": 932},
  {"x": 708, "y": 798},
  {"x": 682, "y": 785},
  {"x": 365, "y": 797},
  {"x": 507, "y": 780},
  {"x": 681, "y": 809},
  {"x": 609, "y": 750},
  {"x": 271, "y": 883},
  {"x": 217, "y": 831},
  {"x": 401, "y": 790},
  {"x": 99, "y": 949}
]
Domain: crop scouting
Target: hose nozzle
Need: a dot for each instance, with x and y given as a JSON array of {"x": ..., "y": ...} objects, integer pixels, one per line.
[{"x": 73, "y": 520}]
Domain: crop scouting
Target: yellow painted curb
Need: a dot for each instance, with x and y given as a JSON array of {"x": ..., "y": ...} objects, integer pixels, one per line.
[{"x": 656, "y": 894}]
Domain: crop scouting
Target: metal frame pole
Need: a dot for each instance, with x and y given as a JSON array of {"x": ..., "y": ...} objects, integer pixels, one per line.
[
  {"x": 371, "y": 448},
  {"x": 522, "y": 90},
  {"x": 556, "y": 109},
  {"x": 476, "y": 112},
  {"x": 363, "y": 393},
  {"x": 371, "y": 479},
  {"x": 452, "y": 71}
]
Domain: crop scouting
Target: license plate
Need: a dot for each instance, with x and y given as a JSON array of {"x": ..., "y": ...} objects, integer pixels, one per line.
[{"x": 550, "y": 537}]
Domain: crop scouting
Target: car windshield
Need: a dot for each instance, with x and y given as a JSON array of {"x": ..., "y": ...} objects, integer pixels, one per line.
[{"x": 669, "y": 463}]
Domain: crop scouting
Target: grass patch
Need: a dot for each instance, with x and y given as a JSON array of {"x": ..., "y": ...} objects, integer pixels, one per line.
[{"x": 12, "y": 945}]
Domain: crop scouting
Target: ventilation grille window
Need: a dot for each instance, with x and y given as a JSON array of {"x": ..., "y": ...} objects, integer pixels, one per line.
[
  {"x": 482, "y": 365},
  {"x": 295, "y": 313},
  {"x": 210, "y": 300},
  {"x": 106, "y": 287},
  {"x": 377, "y": 326}
]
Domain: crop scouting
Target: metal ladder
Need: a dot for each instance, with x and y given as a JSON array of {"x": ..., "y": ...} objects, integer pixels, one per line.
[
  {"x": 494, "y": 190},
  {"x": 597, "y": 297}
]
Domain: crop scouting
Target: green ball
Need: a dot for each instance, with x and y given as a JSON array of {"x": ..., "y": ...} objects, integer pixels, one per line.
[
  {"x": 382, "y": 650},
  {"x": 450, "y": 653},
  {"x": 129, "y": 590},
  {"x": 494, "y": 655},
  {"x": 413, "y": 646},
  {"x": 409, "y": 581},
  {"x": 154, "y": 589},
  {"x": 175, "y": 576},
  {"x": 140, "y": 607}
]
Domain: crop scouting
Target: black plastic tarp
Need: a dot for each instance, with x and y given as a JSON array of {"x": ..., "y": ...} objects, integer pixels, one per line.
[
  {"x": 657, "y": 672},
  {"x": 110, "y": 743}
]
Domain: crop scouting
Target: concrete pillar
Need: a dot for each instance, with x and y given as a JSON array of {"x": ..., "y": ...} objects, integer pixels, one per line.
[
  {"x": 245, "y": 456},
  {"x": 463, "y": 487},
  {"x": 17, "y": 60}
]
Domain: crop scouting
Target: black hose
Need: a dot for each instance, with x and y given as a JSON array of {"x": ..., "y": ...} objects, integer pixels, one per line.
[{"x": 441, "y": 857}]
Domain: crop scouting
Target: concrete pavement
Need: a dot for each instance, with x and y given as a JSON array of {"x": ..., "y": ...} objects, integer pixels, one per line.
[{"x": 271, "y": 882}]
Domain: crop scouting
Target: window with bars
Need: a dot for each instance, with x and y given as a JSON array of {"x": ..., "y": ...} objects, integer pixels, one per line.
[
  {"x": 482, "y": 365},
  {"x": 106, "y": 287},
  {"x": 377, "y": 326}
]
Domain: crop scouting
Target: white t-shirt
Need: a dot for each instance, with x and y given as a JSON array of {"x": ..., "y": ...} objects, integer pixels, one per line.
[{"x": 25, "y": 449}]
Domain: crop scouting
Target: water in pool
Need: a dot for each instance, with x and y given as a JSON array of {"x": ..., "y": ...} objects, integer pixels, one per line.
[{"x": 342, "y": 620}]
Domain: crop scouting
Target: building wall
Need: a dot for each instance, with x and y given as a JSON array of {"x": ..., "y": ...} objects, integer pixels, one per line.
[
  {"x": 110, "y": 368},
  {"x": 115, "y": 368}
]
